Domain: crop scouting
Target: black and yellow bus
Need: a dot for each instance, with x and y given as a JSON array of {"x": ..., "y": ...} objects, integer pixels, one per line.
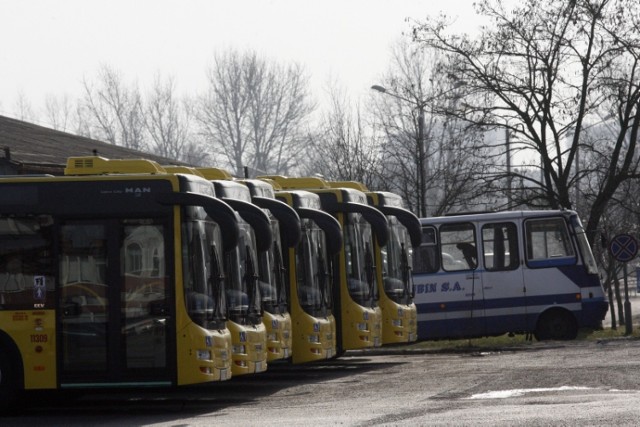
[
  {"x": 244, "y": 301},
  {"x": 285, "y": 227},
  {"x": 111, "y": 277},
  {"x": 310, "y": 282},
  {"x": 399, "y": 312},
  {"x": 355, "y": 294},
  {"x": 394, "y": 264}
]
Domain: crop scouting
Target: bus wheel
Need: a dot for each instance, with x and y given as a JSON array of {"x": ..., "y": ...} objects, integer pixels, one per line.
[
  {"x": 556, "y": 325},
  {"x": 8, "y": 383}
]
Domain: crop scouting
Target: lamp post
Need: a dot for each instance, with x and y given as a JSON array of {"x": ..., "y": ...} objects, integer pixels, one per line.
[{"x": 422, "y": 162}]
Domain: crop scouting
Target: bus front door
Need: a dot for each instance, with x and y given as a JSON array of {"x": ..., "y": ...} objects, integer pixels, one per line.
[
  {"x": 503, "y": 286},
  {"x": 460, "y": 287},
  {"x": 114, "y": 310}
]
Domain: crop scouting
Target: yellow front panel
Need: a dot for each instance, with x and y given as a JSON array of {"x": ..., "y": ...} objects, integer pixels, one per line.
[
  {"x": 278, "y": 329},
  {"x": 314, "y": 338},
  {"x": 361, "y": 326},
  {"x": 34, "y": 333},
  {"x": 398, "y": 321},
  {"x": 203, "y": 355},
  {"x": 249, "y": 348}
]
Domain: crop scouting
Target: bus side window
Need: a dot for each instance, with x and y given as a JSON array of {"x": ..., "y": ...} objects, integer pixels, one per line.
[
  {"x": 458, "y": 247},
  {"x": 500, "y": 246},
  {"x": 425, "y": 258},
  {"x": 548, "y": 242}
]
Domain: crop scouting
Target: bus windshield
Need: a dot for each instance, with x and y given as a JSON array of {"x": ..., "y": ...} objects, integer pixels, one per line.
[
  {"x": 396, "y": 262},
  {"x": 358, "y": 246},
  {"x": 203, "y": 278},
  {"x": 314, "y": 280},
  {"x": 272, "y": 275},
  {"x": 243, "y": 294}
]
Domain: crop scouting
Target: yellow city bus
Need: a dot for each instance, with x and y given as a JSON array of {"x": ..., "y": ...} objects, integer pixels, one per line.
[
  {"x": 399, "y": 312},
  {"x": 358, "y": 316},
  {"x": 393, "y": 265},
  {"x": 102, "y": 278},
  {"x": 285, "y": 226},
  {"x": 248, "y": 331},
  {"x": 309, "y": 278}
]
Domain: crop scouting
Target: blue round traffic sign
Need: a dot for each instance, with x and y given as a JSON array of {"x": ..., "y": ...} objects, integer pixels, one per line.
[{"x": 623, "y": 247}]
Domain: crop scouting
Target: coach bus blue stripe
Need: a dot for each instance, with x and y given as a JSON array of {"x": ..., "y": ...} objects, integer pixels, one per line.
[
  {"x": 435, "y": 307},
  {"x": 551, "y": 262},
  {"x": 578, "y": 276}
]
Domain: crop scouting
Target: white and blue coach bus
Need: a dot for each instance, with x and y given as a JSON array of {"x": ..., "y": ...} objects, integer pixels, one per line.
[{"x": 487, "y": 274}]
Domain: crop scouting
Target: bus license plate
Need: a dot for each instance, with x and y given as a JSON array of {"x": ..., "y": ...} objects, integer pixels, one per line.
[{"x": 223, "y": 374}]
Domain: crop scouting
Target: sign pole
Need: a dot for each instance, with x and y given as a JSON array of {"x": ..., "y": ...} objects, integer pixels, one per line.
[
  {"x": 624, "y": 248},
  {"x": 628, "y": 325}
]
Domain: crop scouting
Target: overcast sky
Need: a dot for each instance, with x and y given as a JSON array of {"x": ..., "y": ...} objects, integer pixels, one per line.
[{"x": 48, "y": 46}]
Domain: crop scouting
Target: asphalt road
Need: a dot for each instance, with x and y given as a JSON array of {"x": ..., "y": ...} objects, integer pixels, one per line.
[{"x": 553, "y": 383}]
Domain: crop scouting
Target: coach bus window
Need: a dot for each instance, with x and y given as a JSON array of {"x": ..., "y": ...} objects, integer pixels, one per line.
[
  {"x": 585, "y": 249},
  {"x": 458, "y": 247},
  {"x": 548, "y": 240},
  {"x": 26, "y": 263},
  {"x": 500, "y": 246},
  {"x": 426, "y": 259}
]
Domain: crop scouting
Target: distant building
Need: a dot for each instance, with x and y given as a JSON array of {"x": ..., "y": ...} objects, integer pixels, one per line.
[{"x": 26, "y": 149}]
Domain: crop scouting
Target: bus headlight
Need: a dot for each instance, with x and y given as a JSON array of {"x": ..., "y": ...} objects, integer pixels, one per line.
[
  {"x": 272, "y": 337},
  {"x": 396, "y": 322},
  {"x": 239, "y": 349},
  {"x": 314, "y": 339},
  {"x": 203, "y": 355},
  {"x": 362, "y": 326}
]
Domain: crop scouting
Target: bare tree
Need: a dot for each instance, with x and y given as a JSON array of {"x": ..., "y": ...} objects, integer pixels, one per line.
[
  {"x": 343, "y": 147},
  {"x": 254, "y": 113},
  {"x": 543, "y": 70},
  {"x": 114, "y": 111},
  {"x": 168, "y": 121},
  {"x": 23, "y": 109},
  {"x": 58, "y": 112},
  {"x": 430, "y": 157}
]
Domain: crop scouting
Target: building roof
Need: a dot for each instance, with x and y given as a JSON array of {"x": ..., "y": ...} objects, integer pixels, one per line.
[{"x": 31, "y": 148}]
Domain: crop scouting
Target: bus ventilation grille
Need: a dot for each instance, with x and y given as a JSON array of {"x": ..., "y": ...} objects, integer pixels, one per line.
[{"x": 83, "y": 163}]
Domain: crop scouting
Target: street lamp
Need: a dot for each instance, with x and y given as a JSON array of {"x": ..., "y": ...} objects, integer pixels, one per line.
[{"x": 420, "y": 106}]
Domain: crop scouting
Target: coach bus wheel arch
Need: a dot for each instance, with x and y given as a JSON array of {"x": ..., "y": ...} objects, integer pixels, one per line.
[
  {"x": 10, "y": 373},
  {"x": 556, "y": 324}
]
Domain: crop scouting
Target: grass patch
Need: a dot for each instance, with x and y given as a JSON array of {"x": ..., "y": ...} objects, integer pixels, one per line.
[
  {"x": 608, "y": 333},
  {"x": 517, "y": 341},
  {"x": 466, "y": 344}
]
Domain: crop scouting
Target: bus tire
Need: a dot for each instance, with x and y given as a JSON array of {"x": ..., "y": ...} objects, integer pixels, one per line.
[
  {"x": 556, "y": 324},
  {"x": 8, "y": 381}
]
